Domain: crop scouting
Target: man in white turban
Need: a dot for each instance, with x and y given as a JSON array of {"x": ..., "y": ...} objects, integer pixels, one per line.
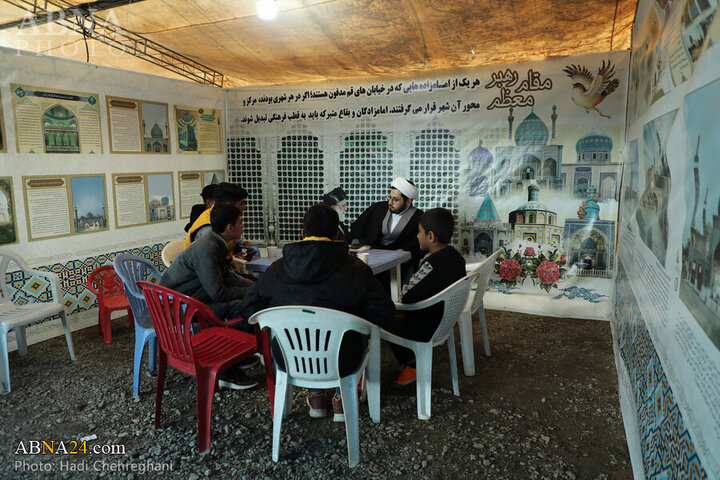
[{"x": 391, "y": 224}]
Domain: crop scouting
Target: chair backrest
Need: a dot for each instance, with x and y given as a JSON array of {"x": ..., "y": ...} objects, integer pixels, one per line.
[
  {"x": 454, "y": 299},
  {"x": 104, "y": 282},
  {"x": 481, "y": 279},
  {"x": 172, "y": 313},
  {"x": 310, "y": 338},
  {"x": 131, "y": 269},
  {"x": 172, "y": 250},
  {"x": 6, "y": 256}
]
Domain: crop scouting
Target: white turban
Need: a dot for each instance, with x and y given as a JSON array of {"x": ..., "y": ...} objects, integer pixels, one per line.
[{"x": 405, "y": 187}]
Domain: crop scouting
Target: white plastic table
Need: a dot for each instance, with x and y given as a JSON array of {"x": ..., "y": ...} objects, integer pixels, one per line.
[{"x": 379, "y": 261}]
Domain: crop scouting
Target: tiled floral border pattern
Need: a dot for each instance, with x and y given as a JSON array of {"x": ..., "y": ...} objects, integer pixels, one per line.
[
  {"x": 73, "y": 279},
  {"x": 667, "y": 448}
]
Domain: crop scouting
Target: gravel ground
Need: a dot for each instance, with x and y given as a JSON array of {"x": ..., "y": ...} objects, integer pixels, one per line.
[{"x": 544, "y": 406}]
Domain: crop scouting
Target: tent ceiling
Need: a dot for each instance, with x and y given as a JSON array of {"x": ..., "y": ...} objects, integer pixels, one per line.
[{"x": 315, "y": 40}]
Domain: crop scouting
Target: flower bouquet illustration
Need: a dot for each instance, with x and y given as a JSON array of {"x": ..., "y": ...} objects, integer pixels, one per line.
[{"x": 544, "y": 269}]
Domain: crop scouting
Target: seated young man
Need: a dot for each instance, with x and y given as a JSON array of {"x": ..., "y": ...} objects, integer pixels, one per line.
[
  {"x": 318, "y": 271},
  {"x": 443, "y": 267},
  {"x": 224, "y": 194},
  {"x": 208, "y": 196},
  {"x": 201, "y": 271}
]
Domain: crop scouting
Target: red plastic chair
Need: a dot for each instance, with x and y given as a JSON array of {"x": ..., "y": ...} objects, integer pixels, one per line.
[
  {"x": 108, "y": 288},
  {"x": 205, "y": 354}
]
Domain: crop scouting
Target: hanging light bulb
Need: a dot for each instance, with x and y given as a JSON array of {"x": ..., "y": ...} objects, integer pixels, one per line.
[{"x": 267, "y": 9}]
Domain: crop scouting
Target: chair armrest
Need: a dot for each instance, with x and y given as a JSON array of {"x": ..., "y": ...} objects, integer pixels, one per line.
[
  {"x": 392, "y": 338},
  {"x": 407, "y": 307},
  {"x": 229, "y": 323}
]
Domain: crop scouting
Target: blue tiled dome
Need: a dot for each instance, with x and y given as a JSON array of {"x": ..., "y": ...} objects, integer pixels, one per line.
[
  {"x": 480, "y": 158},
  {"x": 531, "y": 131},
  {"x": 487, "y": 211},
  {"x": 594, "y": 141},
  {"x": 156, "y": 131}
]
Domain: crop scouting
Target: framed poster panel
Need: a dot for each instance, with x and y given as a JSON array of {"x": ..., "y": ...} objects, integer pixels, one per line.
[
  {"x": 191, "y": 184},
  {"x": 143, "y": 198},
  {"x": 62, "y": 205},
  {"x": 56, "y": 121},
  {"x": 138, "y": 126},
  {"x": 199, "y": 131}
]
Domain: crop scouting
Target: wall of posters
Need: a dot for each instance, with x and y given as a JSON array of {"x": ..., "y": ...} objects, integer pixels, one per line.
[
  {"x": 527, "y": 156},
  {"x": 138, "y": 126},
  {"x": 666, "y": 316},
  {"x": 143, "y": 198},
  {"x": 191, "y": 184},
  {"x": 199, "y": 130},
  {"x": 56, "y": 121},
  {"x": 63, "y": 205}
]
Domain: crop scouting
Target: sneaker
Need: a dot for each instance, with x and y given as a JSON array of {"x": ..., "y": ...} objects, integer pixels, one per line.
[
  {"x": 316, "y": 402},
  {"x": 235, "y": 379},
  {"x": 407, "y": 376},
  {"x": 250, "y": 362},
  {"x": 338, "y": 413}
]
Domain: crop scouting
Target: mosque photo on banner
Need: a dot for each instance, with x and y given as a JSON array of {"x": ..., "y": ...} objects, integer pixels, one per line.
[
  {"x": 89, "y": 203},
  {"x": 213, "y": 178},
  {"x": 186, "y": 121},
  {"x": 156, "y": 138},
  {"x": 530, "y": 193},
  {"x": 696, "y": 20},
  {"x": 61, "y": 130},
  {"x": 160, "y": 197},
  {"x": 651, "y": 214},
  {"x": 700, "y": 285},
  {"x": 8, "y": 229}
]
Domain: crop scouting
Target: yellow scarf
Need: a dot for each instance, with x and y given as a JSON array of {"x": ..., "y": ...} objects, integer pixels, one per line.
[{"x": 202, "y": 220}]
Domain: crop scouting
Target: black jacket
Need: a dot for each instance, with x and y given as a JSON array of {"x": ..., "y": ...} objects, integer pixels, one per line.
[
  {"x": 321, "y": 274},
  {"x": 436, "y": 273},
  {"x": 368, "y": 230}
]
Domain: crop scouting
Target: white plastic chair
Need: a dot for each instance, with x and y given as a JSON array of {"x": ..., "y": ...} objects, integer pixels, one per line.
[
  {"x": 172, "y": 250},
  {"x": 454, "y": 299},
  {"x": 481, "y": 278},
  {"x": 17, "y": 317},
  {"x": 309, "y": 338}
]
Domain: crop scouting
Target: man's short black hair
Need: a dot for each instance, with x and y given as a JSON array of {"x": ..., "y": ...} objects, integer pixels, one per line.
[
  {"x": 439, "y": 221},
  {"x": 208, "y": 193},
  {"x": 223, "y": 215},
  {"x": 321, "y": 221},
  {"x": 229, "y": 193}
]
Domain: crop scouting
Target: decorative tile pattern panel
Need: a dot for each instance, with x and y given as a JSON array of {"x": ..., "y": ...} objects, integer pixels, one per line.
[
  {"x": 73, "y": 275},
  {"x": 667, "y": 448},
  {"x": 435, "y": 170},
  {"x": 366, "y": 168},
  {"x": 245, "y": 169}
]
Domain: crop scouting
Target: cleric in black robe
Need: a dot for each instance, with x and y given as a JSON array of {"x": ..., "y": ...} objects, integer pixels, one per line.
[
  {"x": 392, "y": 224},
  {"x": 337, "y": 199}
]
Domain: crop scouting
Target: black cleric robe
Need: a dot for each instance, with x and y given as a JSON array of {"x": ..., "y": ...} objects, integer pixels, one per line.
[{"x": 369, "y": 225}]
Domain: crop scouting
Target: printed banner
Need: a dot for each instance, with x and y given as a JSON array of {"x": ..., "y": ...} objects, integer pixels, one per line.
[
  {"x": 667, "y": 306},
  {"x": 527, "y": 157}
]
